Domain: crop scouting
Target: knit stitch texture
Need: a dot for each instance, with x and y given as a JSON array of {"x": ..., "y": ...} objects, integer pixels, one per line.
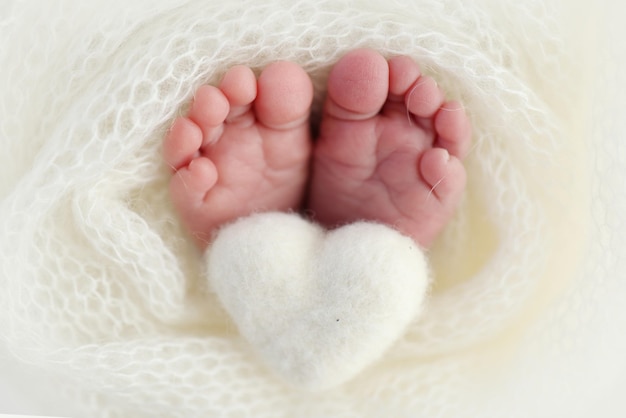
[{"x": 102, "y": 291}]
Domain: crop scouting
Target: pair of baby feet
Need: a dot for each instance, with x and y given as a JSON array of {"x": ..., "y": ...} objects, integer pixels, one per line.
[{"x": 389, "y": 148}]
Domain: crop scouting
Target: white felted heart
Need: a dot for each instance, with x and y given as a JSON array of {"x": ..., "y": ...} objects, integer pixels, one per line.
[{"x": 317, "y": 306}]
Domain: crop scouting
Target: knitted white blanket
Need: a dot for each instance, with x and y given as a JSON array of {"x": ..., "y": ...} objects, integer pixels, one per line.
[{"x": 101, "y": 291}]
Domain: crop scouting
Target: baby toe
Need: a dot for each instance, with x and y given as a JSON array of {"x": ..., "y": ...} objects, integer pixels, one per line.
[
  {"x": 453, "y": 129},
  {"x": 239, "y": 85},
  {"x": 190, "y": 184},
  {"x": 284, "y": 96},
  {"x": 181, "y": 143},
  {"x": 424, "y": 98},
  {"x": 358, "y": 85},
  {"x": 209, "y": 110},
  {"x": 445, "y": 175},
  {"x": 403, "y": 73}
]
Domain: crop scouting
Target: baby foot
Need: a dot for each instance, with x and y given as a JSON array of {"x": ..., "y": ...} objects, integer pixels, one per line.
[
  {"x": 244, "y": 147},
  {"x": 389, "y": 149}
]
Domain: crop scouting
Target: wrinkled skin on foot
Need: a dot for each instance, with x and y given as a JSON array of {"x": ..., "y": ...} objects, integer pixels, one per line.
[
  {"x": 244, "y": 147},
  {"x": 390, "y": 148}
]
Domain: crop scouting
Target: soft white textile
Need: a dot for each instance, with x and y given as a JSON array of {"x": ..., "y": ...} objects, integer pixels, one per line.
[
  {"x": 102, "y": 293},
  {"x": 318, "y": 306}
]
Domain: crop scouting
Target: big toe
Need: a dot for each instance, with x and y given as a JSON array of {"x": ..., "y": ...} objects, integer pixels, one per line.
[
  {"x": 285, "y": 94},
  {"x": 358, "y": 85}
]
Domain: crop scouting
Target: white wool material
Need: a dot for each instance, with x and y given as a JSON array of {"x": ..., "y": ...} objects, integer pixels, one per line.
[
  {"x": 318, "y": 307},
  {"x": 103, "y": 295}
]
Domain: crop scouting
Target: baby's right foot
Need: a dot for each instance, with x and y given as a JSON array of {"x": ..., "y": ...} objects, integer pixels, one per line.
[
  {"x": 390, "y": 148},
  {"x": 244, "y": 147}
]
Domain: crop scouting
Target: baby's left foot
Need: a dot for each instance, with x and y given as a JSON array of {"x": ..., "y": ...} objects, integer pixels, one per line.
[
  {"x": 389, "y": 149},
  {"x": 244, "y": 147}
]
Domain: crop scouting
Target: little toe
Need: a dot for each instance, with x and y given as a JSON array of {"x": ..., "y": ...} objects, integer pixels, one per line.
[
  {"x": 284, "y": 96},
  {"x": 181, "y": 143},
  {"x": 444, "y": 174},
  {"x": 424, "y": 97},
  {"x": 358, "y": 85},
  {"x": 209, "y": 110},
  {"x": 239, "y": 85},
  {"x": 190, "y": 184},
  {"x": 453, "y": 129}
]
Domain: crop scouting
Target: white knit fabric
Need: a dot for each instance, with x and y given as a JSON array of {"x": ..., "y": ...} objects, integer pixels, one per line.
[{"x": 103, "y": 293}]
